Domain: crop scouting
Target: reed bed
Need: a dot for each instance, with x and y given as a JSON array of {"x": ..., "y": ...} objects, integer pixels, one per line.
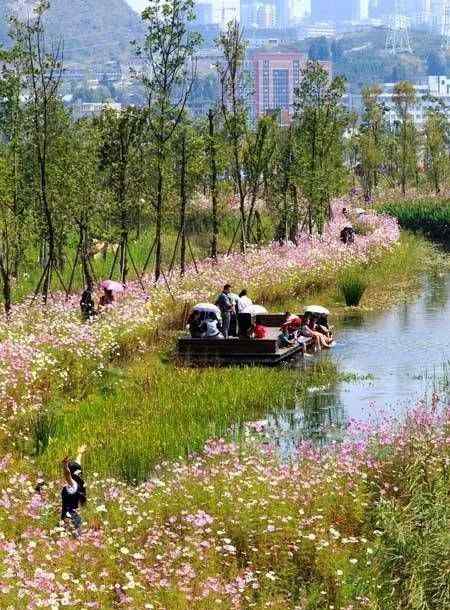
[
  {"x": 156, "y": 411},
  {"x": 430, "y": 216}
]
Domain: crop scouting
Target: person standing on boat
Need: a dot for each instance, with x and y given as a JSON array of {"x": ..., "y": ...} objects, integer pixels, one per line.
[
  {"x": 243, "y": 302},
  {"x": 226, "y": 305}
]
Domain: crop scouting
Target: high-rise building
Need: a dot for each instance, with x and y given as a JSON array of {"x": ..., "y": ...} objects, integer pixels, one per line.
[
  {"x": 282, "y": 13},
  {"x": 225, "y": 11},
  {"x": 276, "y": 76}
]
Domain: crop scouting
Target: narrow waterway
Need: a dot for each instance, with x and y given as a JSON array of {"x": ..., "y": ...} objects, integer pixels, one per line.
[{"x": 398, "y": 357}]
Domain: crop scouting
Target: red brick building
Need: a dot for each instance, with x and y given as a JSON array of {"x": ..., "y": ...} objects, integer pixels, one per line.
[{"x": 276, "y": 76}]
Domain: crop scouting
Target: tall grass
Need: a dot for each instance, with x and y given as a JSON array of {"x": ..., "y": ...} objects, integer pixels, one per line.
[
  {"x": 352, "y": 284},
  {"x": 157, "y": 411},
  {"x": 430, "y": 216}
]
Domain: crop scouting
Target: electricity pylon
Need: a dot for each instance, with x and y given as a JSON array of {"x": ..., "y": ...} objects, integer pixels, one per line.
[{"x": 397, "y": 39}]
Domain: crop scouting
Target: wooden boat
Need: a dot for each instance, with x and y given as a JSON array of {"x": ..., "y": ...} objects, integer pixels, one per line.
[{"x": 241, "y": 350}]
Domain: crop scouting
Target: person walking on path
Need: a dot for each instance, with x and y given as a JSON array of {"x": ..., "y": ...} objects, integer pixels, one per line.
[{"x": 226, "y": 306}]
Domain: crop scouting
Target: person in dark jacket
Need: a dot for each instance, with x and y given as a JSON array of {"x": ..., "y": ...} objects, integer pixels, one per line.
[
  {"x": 87, "y": 305},
  {"x": 226, "y": 305},
  {"x": 73, "y": 493}
]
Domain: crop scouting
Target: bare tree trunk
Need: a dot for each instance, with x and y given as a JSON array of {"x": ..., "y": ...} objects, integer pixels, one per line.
[
  {"x": 295, "y": 215},
  {"x": 158, "y": 228},
  {"x": 213, "y": 187},
  {"x": 6, "y": 282},
  {"x": 183, "y": 202}
]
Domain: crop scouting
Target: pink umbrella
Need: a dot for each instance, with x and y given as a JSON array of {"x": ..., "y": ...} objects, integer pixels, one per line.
[{"x": 111, "y": 285}]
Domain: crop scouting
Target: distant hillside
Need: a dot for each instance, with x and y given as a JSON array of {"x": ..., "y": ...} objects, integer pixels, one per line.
[{"x": 92, "y": 30}]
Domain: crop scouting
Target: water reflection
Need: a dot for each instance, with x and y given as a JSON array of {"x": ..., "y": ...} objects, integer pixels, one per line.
[{"x": 406, "y": 353}]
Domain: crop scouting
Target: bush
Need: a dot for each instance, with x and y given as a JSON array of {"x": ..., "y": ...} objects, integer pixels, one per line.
[{"x": 352, "y": 286}]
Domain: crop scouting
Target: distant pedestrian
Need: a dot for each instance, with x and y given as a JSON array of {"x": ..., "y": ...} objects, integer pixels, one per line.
[
  {"x": 87, "y": 305},
  {"x": 226, "y": 305},
  {"x": 107, "y": 298},
  {"x": 73, "y": 494}
]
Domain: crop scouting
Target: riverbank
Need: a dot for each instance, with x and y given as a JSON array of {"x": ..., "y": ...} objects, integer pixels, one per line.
[
  {"x": 232, "y": 526},
  {"x": 48, "y": 352}
]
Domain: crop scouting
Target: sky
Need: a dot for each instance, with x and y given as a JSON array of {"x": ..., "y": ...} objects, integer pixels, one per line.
[{"x": 138, "y": 5}]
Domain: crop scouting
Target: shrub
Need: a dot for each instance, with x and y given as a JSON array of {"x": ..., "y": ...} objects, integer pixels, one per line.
[{"x": 352, "y": 286}]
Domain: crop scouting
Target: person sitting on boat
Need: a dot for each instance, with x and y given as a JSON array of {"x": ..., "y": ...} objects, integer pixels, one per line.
[
  {"x": 243, "y": 301},
  {"x": 259, "y": 331},
  {"x": 308, "y": 330},
  {"x": 291, "y": 323},
  {"x": 211, "y": 325},
  {"x": 286, "y": 339},
  {"x": 197, "y": 327},
  {"x": 323, "y": 326}
]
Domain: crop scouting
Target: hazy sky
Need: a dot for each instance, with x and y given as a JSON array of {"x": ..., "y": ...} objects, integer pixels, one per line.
[{"x": 138, "y": 5}]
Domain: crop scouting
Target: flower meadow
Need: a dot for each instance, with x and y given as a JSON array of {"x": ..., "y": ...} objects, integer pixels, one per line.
[
  {"x": 232, "y": 526},
  {"x": 359, "y": 525},
  {"x": 48, "y": 350}
]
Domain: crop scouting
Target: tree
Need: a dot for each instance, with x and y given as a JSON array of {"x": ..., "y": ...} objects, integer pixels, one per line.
[
  {"x": 371, "y": 138},
  {"x": 436, "y": 145},
  {"x": 120, "y": 132},
  {"x": 168, "y": 51},
  {"x": 258, "y": 154},
  {"x": 234, "y": 110},
  {"x": 320, "y": 122},
  {"x": 404, "y": 98},
  {"x": 85, "y": 199},
  {"x": 283, "y": 191},
  {"x": 189, "y": 166},
  {"x": 13, "y": 200},
  {"x": 42, "y": 67},
  {"x": 211, "y": 153}
]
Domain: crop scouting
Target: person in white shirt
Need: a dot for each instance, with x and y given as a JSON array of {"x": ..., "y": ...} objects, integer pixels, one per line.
[
  {"x": 212, "y": 327},
  {"x": 243, "y": 301}
]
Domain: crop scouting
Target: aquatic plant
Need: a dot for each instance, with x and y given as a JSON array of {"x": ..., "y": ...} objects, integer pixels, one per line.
[
  {"x": 352, "y": 284},
  {"x": 430, "y": 216},
  {"x": 46, "y": 351}
]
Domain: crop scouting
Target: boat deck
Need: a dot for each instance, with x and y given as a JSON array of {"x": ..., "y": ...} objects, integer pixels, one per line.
[{"x": 241, "y": 351}]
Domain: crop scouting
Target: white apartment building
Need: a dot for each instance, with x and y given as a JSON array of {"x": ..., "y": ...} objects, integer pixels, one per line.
[{"x": 435, "y": 87}]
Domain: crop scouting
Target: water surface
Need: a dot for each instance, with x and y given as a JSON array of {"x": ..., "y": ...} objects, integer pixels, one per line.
[{"x": 398, "y": 356}]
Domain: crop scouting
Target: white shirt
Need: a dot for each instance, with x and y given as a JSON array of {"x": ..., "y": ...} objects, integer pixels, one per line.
[
  {"x": 243, "y": 303},
  {"x": 212, "y": 329}
]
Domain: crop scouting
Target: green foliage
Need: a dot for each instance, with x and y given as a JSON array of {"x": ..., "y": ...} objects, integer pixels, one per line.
[
  {"x": 352, "y": 284},
  {"x": 158, "y": 411},
  {"x": 431, "y": 216},
  {"x": 320, "y": 122}
]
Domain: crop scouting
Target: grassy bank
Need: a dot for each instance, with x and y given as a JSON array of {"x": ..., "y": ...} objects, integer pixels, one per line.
[
  {"x": 392, "y": 278},
  {"x": 429, "y": 216},
  {"x": 152, "y": 411}
]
